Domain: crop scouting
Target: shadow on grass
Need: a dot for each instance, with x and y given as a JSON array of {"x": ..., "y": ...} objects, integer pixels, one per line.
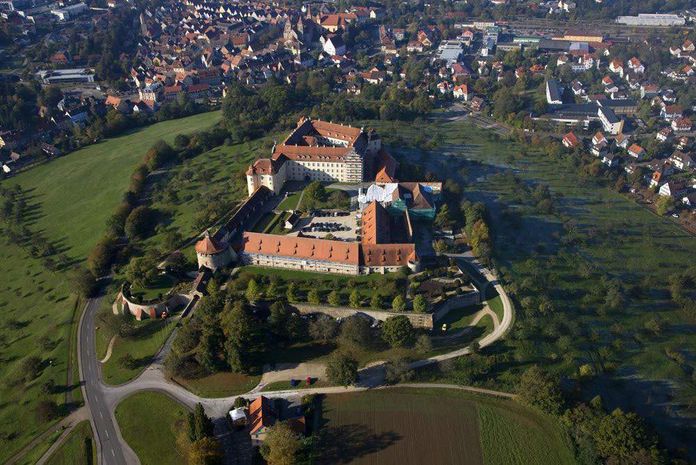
[{"x": 345, "y": 443}]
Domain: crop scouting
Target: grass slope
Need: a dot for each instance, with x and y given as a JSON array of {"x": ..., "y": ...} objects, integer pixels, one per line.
[
  {"x": 415, "y": 426},
  {"x": 149, "y": 422},
  {"x": 142, "y": 346},
  {"x": 513, "y": 436},
  {"x": 73, "y": 196},
  {"x": 77, "y": 193},
  {"x": 78, "y": 448},
  {"x": 37, "y": 308}
]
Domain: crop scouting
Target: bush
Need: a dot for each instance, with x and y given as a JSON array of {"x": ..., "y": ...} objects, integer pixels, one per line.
[
  {"x": 47, "y": 410},
  {"x": 538, "y": 389},
  {"x": 398, "y": 371},
  {"x": 342, "y": 369},
  {"x": 30, "y": 368},
  {"x": 140, "y": 222},
  {"x": 397, "y": 331}
]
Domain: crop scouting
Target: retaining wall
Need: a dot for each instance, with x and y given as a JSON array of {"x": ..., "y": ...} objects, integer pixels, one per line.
[{"x": 418, "y": 320}]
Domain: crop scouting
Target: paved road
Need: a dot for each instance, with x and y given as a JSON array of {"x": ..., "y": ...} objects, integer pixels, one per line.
[{"x": 111, "y": 449}]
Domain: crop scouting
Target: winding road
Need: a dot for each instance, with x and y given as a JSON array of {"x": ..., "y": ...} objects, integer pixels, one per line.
[{"x": 101, "y": 399}]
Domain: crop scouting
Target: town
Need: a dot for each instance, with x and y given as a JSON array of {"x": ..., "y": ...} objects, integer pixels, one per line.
[{"x": 307, "y": 232}]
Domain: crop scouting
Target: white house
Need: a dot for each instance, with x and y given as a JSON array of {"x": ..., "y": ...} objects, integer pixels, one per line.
[
  {"x": 671, "y": 189},
  {"x": 461, "y": 92},
  {"x": 335, "y": 46}
]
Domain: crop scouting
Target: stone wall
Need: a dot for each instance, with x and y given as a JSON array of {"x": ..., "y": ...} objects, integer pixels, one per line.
[
  {"x": 418, "y": 320},
  {"x": 147, "y": 310},
  {"x": 457, "y": 301}
]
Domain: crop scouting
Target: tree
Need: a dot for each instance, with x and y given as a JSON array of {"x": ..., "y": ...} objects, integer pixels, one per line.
[
  {"x": 323, "y": 328},
  {"x": 334, "y": 298},
  {"x": 398, "y": 371},
  {"x": 100, "y": 258},
  {"x": 621, "y": 436},
  {"x": 423, "y": 344},
  {"x": 356, "y": 331},
  {"x": 205, "y": 451},
  {"x": 313, "y": 297},
  {"x": 253, "y": 293},
  {"x": 342, "y": 369},
  {"x": 420, "y": 304},
  {"x": 30, "y": 368},
  {"x": 83, "y": 282},
  {"x": 375, "y": 302},
  {"x": 664, "y": 205},
  {"x": 237, "y": 326},
  {"x": 140, "y": 222},
  {"x": 291, "y": 293},
  {"x": 278, "y": 318},
  {"x": 199, "y": 424},
  {"x": 399, "y": 304},
  {"x": 141, "y": 271},
  {"x": 127, "y": 361},
  {"x": 281, "y": 445},
  {"x": 397, "y": 331},
  {"x": 538, "y": 389},
  {"x": 47, "y": 410},
  {"x": 354, "y": 299}
]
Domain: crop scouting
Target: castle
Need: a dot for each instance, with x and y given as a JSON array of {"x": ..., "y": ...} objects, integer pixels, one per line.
[
  {"x": 321, "y": 151},
  {"x": 327, "y": 152}
]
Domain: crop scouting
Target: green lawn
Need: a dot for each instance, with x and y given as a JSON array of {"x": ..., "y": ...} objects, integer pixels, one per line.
[
  {"x": 286, "y": 386},
  {"x": 204, "y": 189},
  {"x": 77, "y": 193},
  {"x": 439, "y": 426},
  {"x": 149, "y": 338},
  {"x": 386, "y": 286},
  {"x": 511, "y": 434},
  {"x": 220, "y": 384},
  {"x": 157, "y": 289},
  {"x": 37, "y": 308},
  {"x": 458, "y": 318},
  {"x": 291, "y": 202},
  {"x": 496, "y": 304},
  {"x": 78, "y": 448},
  {"x": 149, "y": 423}
]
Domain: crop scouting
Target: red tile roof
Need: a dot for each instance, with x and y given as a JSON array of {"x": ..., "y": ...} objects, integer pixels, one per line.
[{"x": 301, "y": 247}]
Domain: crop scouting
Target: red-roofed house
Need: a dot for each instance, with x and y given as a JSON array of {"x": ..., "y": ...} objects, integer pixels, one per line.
[{"x": 570, "y": 141}]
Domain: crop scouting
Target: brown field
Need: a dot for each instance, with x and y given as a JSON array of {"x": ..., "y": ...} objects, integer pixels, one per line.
[{"x": 399, "y": 427}]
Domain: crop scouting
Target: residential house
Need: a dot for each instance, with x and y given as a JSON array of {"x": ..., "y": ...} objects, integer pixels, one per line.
[
  {"x": 681, "y": 160},
  {"x": 622, "y": 141},
  {"x": 615, "y": 66},
  {"x": 671, "y": 112},
  {"x": 570, "y": 141},
  {"x": 262, "y": 415},
  {"x": 334, "y": 46},
  {"x": 610, "y": 160},
  {"x": 648, "y": 90},
  {"x": 610, "y": 122},
  {"x": 637, "y": 152},
  {"x": 672, "y": 189},
  {"x": 664, "y": 134},
  {"x": 554, "y": 92},
  {"x": 461, "y": 92},
  {"x": 636, "y": 66},
  {"x": 682, "y": 124},
  {"x": 599, "y": 139},
  {"x": 477, "y": 104}
]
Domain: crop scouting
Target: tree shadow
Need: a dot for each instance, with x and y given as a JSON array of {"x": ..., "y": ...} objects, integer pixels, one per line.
[{"x": 346, "y": 443}]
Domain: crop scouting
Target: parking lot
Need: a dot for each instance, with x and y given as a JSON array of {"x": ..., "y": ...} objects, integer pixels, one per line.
[{"x": 341, "y": 225}]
